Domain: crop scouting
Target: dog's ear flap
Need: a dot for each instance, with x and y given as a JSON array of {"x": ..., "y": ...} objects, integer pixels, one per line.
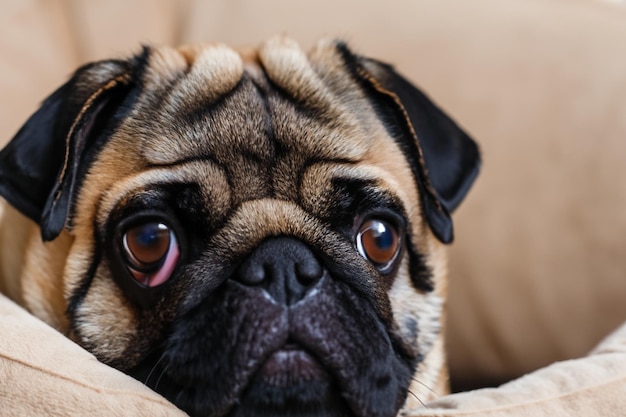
[
  {"x": 444, "y": 159},
  {"x": 40, "y": 165}
]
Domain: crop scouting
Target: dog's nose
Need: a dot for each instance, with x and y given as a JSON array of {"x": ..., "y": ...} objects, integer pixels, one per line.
[{"x": 285, "y": 267}]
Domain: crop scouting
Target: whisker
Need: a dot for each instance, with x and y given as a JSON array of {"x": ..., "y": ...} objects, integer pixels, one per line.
[
  {"x": 161, "y": 376},
  {"x": 154, "y": 367},
  {"x": 426, "y": 386},
  {"x": 418, "y": 399}
]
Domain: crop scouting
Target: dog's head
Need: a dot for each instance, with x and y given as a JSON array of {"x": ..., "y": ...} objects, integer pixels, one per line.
[{"x": 256, "y": 233}]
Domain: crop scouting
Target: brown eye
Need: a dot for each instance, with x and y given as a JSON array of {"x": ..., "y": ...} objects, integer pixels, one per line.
[
  {"x": 151, "y": 253},
  {"x": 146, "y": 245},
  {"x": 379, "y": 242}
]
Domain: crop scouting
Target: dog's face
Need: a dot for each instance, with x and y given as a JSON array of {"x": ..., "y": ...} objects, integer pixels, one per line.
[{"x": 255, "y": 234}]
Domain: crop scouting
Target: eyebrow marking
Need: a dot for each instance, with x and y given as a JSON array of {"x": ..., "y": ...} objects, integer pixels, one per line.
[{"x": 184, "y": 161}]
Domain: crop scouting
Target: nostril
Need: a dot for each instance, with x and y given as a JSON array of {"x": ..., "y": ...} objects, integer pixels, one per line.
[
  {"x": 285, "y": 268},
  {"x": 253, "y": 273},
  {"x": 308, "y": 271}
]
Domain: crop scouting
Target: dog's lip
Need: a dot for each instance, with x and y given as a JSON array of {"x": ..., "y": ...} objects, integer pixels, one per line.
[{"x": 291, "y": 364}]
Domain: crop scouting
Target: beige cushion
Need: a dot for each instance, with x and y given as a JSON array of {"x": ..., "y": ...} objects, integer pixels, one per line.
[
  {"x": 42, "y": 373},
  {"x": 592, "y": 386}
]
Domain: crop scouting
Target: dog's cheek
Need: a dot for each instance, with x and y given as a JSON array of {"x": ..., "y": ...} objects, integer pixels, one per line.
[
  {"x": 419, "y": 316},
  {"x": 416, "y": 313},
  {"x": 103, "y": 322}
]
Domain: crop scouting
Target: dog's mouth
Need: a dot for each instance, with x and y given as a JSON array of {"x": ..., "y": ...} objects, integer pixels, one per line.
[
  {"x": 292, "y": 382},
  {"x": 290, "y": 365}
]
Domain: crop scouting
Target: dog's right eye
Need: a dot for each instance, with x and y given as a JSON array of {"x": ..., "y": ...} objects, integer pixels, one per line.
[{"x": 151, "y": 252}]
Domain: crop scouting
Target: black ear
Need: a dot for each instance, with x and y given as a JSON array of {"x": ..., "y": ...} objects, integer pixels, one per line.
[
  {"x": 444, "y": 159},
  {"x": 40, "y": 166}
]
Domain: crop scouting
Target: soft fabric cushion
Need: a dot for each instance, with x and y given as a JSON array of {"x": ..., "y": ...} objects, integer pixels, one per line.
[
  {"x": 591, "y": 386},
  {"x": 42, "y": 373}
]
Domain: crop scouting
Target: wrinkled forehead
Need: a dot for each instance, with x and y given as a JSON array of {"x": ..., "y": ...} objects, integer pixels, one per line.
[
  {"x": 215, "y": 103},
  {"x": 273, "y": 123}
]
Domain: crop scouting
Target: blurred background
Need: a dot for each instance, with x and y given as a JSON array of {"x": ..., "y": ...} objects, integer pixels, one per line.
[{"x": 538, "y": 268}]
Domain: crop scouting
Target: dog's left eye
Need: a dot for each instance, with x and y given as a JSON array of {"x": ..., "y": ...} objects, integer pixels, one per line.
[
  {"x": 151, "y": 252},
  {"x": 379, "y": 242}
]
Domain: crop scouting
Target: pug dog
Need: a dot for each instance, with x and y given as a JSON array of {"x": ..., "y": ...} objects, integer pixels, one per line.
[{"x": 249, "y": 233}]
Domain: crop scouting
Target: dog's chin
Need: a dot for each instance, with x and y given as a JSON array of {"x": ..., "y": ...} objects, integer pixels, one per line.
[{"x": 291, "y": 382}]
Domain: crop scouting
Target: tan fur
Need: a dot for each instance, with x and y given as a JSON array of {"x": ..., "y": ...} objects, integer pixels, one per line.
[
  {"x": 43, "y": 277},
  {"x": 31, "y": 276}
]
